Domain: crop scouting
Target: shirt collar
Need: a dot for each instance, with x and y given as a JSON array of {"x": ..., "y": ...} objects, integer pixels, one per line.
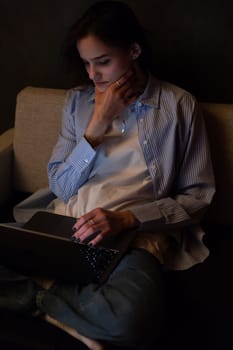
[
  {"x": 151, "y": 94},
  {"x": 91, "y": 97}
]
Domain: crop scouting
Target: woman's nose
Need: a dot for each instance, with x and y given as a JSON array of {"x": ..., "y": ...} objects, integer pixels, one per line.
[{"x": 93, "y": 72}]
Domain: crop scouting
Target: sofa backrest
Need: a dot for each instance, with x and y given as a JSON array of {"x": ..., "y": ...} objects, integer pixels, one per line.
[
  {"x": 219, "y": 124},
  {"x": 37, "y": 125}
]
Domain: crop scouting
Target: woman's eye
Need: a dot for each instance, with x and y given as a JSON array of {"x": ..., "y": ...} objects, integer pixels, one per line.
[
  {"x": 104, "y": 62},
  {"x": 100, "y": 63}
]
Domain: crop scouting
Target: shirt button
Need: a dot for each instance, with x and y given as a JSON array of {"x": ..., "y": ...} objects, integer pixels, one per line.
[
  {"x": 141, "y": 120},
  {"x": 139, "y": 104},
  {"x": 145, "y": 142},
  {"x": 86, "y": 160}
]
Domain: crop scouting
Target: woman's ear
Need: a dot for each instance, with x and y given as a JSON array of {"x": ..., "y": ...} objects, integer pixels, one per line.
[{"x": 135, "y": 51}]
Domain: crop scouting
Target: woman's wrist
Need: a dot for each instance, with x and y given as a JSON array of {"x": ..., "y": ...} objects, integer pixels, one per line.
[
  {"x": 93, "y": 141},
  {"x": 130, "y": 220},
  {"x": 95, "y": 132}
]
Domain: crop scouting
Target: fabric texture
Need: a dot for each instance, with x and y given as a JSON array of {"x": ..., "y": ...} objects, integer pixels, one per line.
[
  {"x": 37, "y": 125},
  {"x": 6, "y": 158},
  {"x": 219, "y": 121},
  {"x": 17, "y": 292}
]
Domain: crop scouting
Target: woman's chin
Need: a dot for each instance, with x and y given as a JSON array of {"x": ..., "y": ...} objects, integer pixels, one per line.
[{"x": 101, "y": 87}]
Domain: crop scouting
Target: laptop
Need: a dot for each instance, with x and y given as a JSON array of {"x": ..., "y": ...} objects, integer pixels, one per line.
[{"x": 43, "y": 246}]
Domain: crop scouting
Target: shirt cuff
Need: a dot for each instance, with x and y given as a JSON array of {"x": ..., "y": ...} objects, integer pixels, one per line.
[
  {"x": 148, "y": 213},
  {"x": 82, "y": 155}
]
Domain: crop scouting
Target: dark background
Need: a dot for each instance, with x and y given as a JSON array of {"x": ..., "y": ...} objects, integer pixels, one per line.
[{"x": 192, "y": 42}]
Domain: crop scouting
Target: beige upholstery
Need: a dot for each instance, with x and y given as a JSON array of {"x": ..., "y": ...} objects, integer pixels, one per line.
[
  {"x": 37, "y": 123},
  {"x": 219, "y": 123},
  {"x": 6, "y": 155}
]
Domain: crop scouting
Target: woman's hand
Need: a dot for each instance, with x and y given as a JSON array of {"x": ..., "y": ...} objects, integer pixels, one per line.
[
  {"x": 110, "y": 103},
  {"x": 100, "y": 222}
]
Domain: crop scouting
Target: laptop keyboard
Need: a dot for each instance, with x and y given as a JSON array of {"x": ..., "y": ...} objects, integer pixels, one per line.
[{"x": 98, "y": 258}]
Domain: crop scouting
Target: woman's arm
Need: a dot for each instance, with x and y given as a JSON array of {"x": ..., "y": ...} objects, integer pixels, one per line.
[
  {"x": 72, "y": 157},
  {"x": 193, "y": 184}
]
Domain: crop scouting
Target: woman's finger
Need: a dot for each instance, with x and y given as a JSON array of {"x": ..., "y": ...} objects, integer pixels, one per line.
[
  {"x": 98, "y": 238},
  {"x": 123, "y": 79},
  {"x": 83, "y": 220}
]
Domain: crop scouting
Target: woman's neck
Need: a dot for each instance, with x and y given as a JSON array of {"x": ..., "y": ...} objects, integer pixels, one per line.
[{"x": 142, "y": 77}]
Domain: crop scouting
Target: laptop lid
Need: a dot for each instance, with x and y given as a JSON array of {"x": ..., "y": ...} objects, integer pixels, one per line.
[{"x": 44, "y": 246}]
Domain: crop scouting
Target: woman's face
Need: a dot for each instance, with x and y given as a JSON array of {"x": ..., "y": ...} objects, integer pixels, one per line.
[{"x": 104, "y": 64}]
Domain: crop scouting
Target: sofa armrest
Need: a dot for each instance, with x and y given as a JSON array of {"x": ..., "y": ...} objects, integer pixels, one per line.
[{"x": 6, "y": 157}]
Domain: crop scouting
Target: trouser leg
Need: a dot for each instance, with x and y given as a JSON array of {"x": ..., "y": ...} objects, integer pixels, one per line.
[
  {"x": 126, "y": 311},
  {"x": 17, "y": 292}
]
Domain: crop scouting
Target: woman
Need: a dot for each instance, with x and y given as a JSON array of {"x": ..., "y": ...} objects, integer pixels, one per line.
[{"x": 132, "y": 153}]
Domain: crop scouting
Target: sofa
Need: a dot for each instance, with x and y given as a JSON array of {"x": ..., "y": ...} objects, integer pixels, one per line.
[{"x": 199, "y": 300}]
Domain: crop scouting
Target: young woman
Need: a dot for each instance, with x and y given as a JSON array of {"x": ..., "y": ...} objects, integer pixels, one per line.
[{"x": 132, "y": 153}]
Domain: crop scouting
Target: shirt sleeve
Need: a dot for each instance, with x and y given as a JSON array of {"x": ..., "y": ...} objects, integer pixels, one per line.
[
  {"x": 72, "y": 157},
  {"x": 193, "y": 186}
]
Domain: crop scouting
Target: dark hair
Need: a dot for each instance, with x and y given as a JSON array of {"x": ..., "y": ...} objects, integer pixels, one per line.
[{"x": 114, "y": 23}]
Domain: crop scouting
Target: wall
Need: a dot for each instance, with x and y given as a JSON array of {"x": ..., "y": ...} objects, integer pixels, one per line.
[{"x": 191, "y": 40}]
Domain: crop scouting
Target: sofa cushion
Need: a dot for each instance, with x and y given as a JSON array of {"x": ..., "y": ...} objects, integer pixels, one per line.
[
  {"x": 37, "y": 123},
  {"x": 219, "y": 123},
  {"x": 6, "y": 140}
]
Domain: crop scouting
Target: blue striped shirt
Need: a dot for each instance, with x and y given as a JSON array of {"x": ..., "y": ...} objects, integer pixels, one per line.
[{"x": 173, "y": 139}]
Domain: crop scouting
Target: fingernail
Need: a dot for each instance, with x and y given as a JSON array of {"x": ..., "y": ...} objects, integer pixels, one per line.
[{"x": 75, "y": 240}]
